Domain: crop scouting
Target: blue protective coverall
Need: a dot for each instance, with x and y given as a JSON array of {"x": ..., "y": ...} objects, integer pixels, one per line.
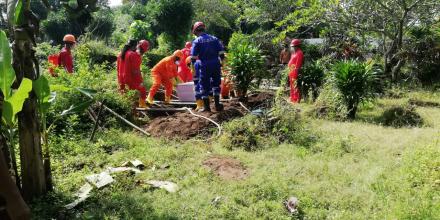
[
  {"x": 207, "y": 49},
  {"x": 196, "y": 79}
]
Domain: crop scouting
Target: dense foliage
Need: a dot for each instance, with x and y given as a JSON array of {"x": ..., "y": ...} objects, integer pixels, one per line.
[
  {"x": 355, "y": 81},
  {"x": 246, "y": 62}
]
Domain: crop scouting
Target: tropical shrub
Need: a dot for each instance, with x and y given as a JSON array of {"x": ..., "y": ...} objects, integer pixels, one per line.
[
  {"x": 247, "y": 66},
  {"x": 356, "y": 82},
  {"x": 311, "y": 79},
  {"x": 329, "y": 103}
]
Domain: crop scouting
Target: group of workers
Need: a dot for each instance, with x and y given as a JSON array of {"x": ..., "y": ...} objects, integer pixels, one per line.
[{"x": 200, "y": 62}]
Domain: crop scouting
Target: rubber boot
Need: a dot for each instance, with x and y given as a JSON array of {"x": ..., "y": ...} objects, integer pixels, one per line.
[
  {"x": 199, "y": 103},
  {"x": 168, "y": 100},
  {"x": 206, "y": 107},
  {"x": 218, "y": 105},
  {"x": 142, "y": 103},
  {"x": 150, "y": 100}
]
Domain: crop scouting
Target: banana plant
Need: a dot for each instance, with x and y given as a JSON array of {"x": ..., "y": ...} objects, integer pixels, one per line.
[{"x": 12, "y": 100}]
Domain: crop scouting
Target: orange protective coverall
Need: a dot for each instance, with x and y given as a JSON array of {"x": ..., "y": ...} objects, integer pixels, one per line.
[
  {"x": 162, "y": 73},
  {"x": 295, "y": 64},
  {"x": 184, "y": 72},
  {"x": 120, "y": 69},
  {"x": 65, "y": 59},
  {"x": 132, "y": 73}
]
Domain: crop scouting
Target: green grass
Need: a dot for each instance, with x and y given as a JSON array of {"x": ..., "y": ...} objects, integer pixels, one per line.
[{"x": 355, "y": 170}]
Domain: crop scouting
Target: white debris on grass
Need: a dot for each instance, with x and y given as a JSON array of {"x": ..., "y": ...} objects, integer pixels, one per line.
[
  {"x": 82, "y": 194},
  {"x": 168, "y": 186},
  {"x": 292, "y": 204},
  {"x": 100, "y": 180},
  {"x": 112, "y": 170}
]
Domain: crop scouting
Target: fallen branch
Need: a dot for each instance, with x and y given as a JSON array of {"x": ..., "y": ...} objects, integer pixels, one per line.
[{"x": 124, "y": 120}]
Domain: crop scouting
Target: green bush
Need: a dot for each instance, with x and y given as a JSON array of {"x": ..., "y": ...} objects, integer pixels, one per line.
[
  {"x": 401, "y": 116},
  {"x": 424, "y": 55},
  {"x": 94, "y": 52},
  {"x": 102, "y": 25},
  {"x": 247, "y": 65},
  {"x": 44, "y": 49},
  {"x": 173, "y": 18},
  {"x": 282, "y": 124},
  {"x": 153, "y": 57},
  {"x": 56, "y": 26},
  {"x": 329, "y": 103},
  {"x": 245, "y": 133},
  {"x": 356, "y": 82},
  {"x": 311, "y": 79},
  {"x": 140, "y": 30}
]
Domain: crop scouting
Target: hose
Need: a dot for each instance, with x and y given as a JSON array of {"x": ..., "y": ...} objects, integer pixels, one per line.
[
  {"x": 242, "y": 105},
  {"x": 208, "y": 119}
]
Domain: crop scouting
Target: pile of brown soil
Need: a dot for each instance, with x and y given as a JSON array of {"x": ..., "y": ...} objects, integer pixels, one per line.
[
  {"x": 226, "y": 168},
  {"x": 262, "y": 99},
  {"x": 185, "y": 125}
]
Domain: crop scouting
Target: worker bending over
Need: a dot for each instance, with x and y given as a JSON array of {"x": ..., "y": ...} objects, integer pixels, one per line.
[
  {"x": 65, "y": 58},
  {"x": 295, "y": 64},
  {"x": 208, "y": 49},
  {"x": 184, "y": 72},
  {"x": 130, "y": 46},
  {"x": 164, "y": 73},
  {"x": 132, "y": 70}
]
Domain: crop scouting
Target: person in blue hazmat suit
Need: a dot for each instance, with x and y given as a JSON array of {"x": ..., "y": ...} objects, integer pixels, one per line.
[{"x": 210, "y": 52}]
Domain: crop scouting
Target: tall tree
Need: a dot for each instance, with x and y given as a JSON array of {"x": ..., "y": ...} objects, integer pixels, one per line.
[{"x": 385, "y": 20}]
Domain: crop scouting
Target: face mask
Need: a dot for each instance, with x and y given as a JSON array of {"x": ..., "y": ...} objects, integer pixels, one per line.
[{"x": 177, "y": 62}]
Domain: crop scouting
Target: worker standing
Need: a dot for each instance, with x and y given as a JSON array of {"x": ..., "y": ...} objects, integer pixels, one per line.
[
  {"x": 164, "y": 73},
  {"x": 132, "y": 70},
  {"x": 131, "y": 45},
  {"x": 65, "y": 58},
  {"x": 196, "y": 76},
  {"x": 208, "y": 50},
  {"x": 295, "y": 65},
  {"x": 184, "y": 72}
]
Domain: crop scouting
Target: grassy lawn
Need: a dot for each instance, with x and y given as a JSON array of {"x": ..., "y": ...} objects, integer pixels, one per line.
[{"x": 354, "y": 170}]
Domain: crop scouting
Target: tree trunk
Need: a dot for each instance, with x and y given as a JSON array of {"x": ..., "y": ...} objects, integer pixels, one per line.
[
  {"x": 25, "y": 65},
  {"x": 16, "y": 208},
  {"x": 32, "y": 169}
]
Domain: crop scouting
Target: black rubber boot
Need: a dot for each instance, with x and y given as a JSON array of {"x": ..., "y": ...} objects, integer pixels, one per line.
[
  {"x": 206, "y": 107},
  {"x": 218, "y": 105}
]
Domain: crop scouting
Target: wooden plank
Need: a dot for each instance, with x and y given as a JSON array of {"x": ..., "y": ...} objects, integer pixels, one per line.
[
  {"x": 161, "y": 109},
  {"x": 175, "y": 103}
]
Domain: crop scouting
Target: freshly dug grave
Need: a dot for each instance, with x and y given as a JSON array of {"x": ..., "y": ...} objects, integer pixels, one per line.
[
  {"x": 185, "y": 125},
  {"x": 226, "y": 168}
]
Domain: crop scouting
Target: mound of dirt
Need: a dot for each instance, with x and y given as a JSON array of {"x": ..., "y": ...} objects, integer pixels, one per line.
[
  {"x": 185, "y": 125},
  {"x": 226, "y": 168},
  {"x": 262, "y": 99}
]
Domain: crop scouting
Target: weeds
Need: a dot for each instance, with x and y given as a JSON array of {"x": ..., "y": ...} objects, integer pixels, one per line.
[{"x": 401, "y": 116}]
